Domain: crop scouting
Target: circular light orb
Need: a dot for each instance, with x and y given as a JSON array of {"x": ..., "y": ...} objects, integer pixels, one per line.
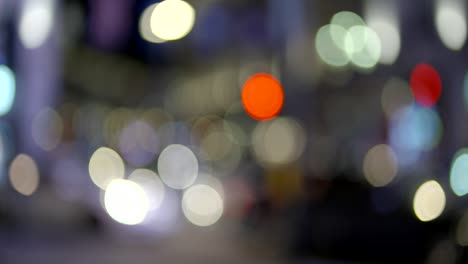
[
  {"x": 151, "y": 184},
  {"x": 105, "y": 165},
  {"x": 459, "y": 173},
  {"x": 450, "y": 23},
  {"x": 345, "y": 20},
  {"x": 414, "y": 130},
  {"x": 24, "y": 175},
  {"x": 390, "y": 40},
  {"x": 126, "y": 202},
  {"x": 36, "y": 21},
  {"x": 396, "y": 96},
  {"x": 202, "y": 205},
  {"x": 330, "y": 46},
  {"x": 47, "y": 129},
  {"x": 380, "y": 165},
  {"x": 7, "y": 89},
  {"x": 363, "y": 46},
  {"x": 429, "y": 201},
  {"x": 178, "y": 166},
  {"x": 426, "y": 85},
  {"x": 462, "y": 230},
  {"x": 144, "y": 25},
  {"x": 139, "y": 143},
  {"x": 172, "y": 19},
  {"x": 262, "y": 96},
  {"x": 278, "y": 142}
]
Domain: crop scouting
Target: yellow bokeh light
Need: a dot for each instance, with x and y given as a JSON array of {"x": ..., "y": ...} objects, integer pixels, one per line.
[
  {"x": 172, "y": 19},
  {"x": 105, "y": 165},
  {"x": 429, "y": 201},
  {"x": 380, "y": 165},
  {"x": 126, "y": 202},
  {"x": 278, "y": 142},
  {"x": 202, "y": 205},
  {"x": 144, "y": 25},
  {"x": 24, "y": 175}
]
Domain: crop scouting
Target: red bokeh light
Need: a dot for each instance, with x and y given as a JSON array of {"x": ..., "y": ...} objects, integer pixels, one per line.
[{"x": 426, "y": 85}]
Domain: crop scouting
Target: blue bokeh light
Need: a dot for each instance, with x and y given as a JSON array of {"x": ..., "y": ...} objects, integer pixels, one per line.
[{"x": 7, "y": 89}]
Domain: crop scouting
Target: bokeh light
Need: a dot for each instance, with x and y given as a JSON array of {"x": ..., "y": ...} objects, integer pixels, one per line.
[
  {"x": 414, "y": 130},
  {"x": 380, "y": 165},
  {"x": 262, "y": 96},
  {"x": 329, "y": 43},
  {"x": 8, "y": 89},
  {"x": 126, "y": 202},
  {"x": 172, "y": 19},
  {"x": 202, "y": 205},
  {"x": 178, "y": 166},
  {"x": 144, "y": 25},
  {"x": 390, "y": 41},
  {"x": 462, "y": 230},
  {"x": 396, "y": 96},
  {"x": 426, "y": 85},
  {"x": 139, "y": 143},
  {"x": 24, "y": 174},
  {"x": 450, "y": 21},
  {"x": 36, "y": 21},
  {"x": 429, "y": 201},
  {"x": 105, "y": 165},
  {"x": 459, "y": 173},
  {"x": 346, "y": 20},
  {"x": 47, "y": 128},
  {"x": 278, "y": 142},
  {"x": 151, "y": 184},
  {"x": 363, "y": 47}
]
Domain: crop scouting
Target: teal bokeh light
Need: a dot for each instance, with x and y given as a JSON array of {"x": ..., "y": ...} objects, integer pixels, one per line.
[
  {"x": 7, "y": 89},
  {"x": 459, "y": 173}
]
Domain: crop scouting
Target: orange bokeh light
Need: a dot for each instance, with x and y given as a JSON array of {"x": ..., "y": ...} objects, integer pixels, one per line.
[{"x": 262, "y": 96}]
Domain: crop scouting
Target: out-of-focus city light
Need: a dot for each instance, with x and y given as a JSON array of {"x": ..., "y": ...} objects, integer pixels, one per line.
[
  {"x": 115, "y": 121},
  {"x": 383, "y": 18},
  {"x": 139, "y": 143},
  {"x": 363, "y": 46},
  {"x": 24, "y": 174},
  {"x": 450, "y": 21},
  {"x": 202, "y": 205},
  {"x": 462, "y": 230},
  {"x": 105, "y": 165},
  {"x": 262, "y": 96},
  {"x": 426, "y": 85},
  {"x": 330, "y": 46},
  {"x": 172, "y": 19},
  {"x": 389, "y": 36},
  {"x": 178, "y": 166},
  {"x": 380, "y": 165},
  {"x": 459, "y": 173},
  {"x": 429, "y": 201},
  {"x": 414, "y": 130},
  {"x": 36, "y": 22},
  {"x": 144, "y": 25},
  {"x": 126, "y": 202},
  {"x": 278, "y": 142},
  {"x": 396, "y": 96},
  {"x": 151, "y": 184},
  {"x": 47, "y": 129},
  {"x": 7, "y": 89},
  {"x": 345, "y": 20}
]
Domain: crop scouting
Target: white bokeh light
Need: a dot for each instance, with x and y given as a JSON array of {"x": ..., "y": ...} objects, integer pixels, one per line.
[
  {"x": 202, "y": 205},
  {"x": 126, "y": 202},
  {"x": 178, "y": 166},
  {"x": 172, "y": 19}
]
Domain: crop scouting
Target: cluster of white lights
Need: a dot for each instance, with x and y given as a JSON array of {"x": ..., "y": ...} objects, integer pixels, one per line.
[{"x": 347, "y": 39}]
